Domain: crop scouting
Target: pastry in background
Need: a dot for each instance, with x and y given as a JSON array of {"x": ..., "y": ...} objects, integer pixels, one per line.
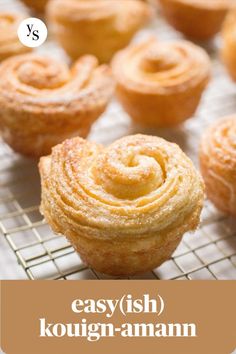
[
  {"x": 160, "y": 84},
  {"x": 218, "y": 164},
  {"x": 43, "y": 102},
  {"x": 124, "y": 207},
  {"x": 9, "y": 42},
  {"x": 37, "y": 5},
  {"x": 97, "y": 27},
  {"x": 229, "y": 43},
  {"x": 198, "y": 19}
]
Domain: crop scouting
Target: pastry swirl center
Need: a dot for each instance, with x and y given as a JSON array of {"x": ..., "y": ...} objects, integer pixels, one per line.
[
  {"x": 42, "y": 74},
  {"x": 131, "y": 173},
  {"x": 160, "y": 59}
]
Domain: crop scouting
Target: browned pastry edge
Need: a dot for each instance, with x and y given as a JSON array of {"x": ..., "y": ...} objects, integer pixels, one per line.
[
  {"x": 228, "y": 51},
  {"x": 196, "y": 20},
  {"x": 97, "y": 27},
  {"x": 9, "y": 41},
  {"x": 37, "y": 5}
]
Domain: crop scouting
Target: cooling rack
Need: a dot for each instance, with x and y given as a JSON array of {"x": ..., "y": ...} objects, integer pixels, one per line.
[{"x": 209, "y": 253}]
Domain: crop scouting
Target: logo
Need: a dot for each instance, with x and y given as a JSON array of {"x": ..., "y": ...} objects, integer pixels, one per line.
[{"x": 32, "y": 32}]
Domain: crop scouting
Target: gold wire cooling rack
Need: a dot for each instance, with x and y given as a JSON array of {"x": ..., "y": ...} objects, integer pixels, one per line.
[{"x": 210, "y": 253}]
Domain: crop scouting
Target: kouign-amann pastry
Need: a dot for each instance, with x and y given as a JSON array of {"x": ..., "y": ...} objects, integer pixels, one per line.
[
  {"x": 37, "y": 5},
  {"x": 43, "y": 102},
  {"x": 199, "y": 19},
  {"x": 218, "y": 164},
  {"x": 229, "y": 43},
  {"x": 124, "y": 207},
  {"x": 9, "y": 42},
  {"x": 97, "y": 27},
  {"x": 160, "y": 83}
]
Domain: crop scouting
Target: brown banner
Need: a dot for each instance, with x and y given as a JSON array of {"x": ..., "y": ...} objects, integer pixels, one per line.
[{"x": 164, "y": 317}]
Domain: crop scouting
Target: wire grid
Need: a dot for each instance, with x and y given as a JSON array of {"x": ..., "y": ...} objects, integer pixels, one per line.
[{"x": 209, "y": 253}]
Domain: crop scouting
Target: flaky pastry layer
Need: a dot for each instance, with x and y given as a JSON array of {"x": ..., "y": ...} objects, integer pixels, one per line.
[
  {"x": 218, "y": 164},
  {"x": 229, "y": 43},
  {"x": 199, "y": 19},
  {"x": 43, "y": 102},
  {"x": 160, "y": 83},
  {"x": 9, "y": 42},
  {"x": 124, "y": 207},
  {"x": 97, "y": 27}
]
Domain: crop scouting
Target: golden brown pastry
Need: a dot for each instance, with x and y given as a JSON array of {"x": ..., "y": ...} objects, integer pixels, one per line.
[
  {"x": 125, "y": 207},
  {"x": 218, "y": 164},
  {"x": 37, "y": 5},
  {"x": 160, "y": 83},
  {"x": 43, "y": 102},
  {"x": 97, "y": 27},
  {"x": 229, "y": 43},
  {"x": 9, "y": 42},
  {"x": 199, "y": 19}
]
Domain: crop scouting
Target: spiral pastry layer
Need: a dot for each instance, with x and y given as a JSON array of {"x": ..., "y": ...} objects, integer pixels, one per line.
[
  {"x": 218, "y": 164},
  {"x": 37, "y": 5},
  {"x": 124, "y": 207},
  {"x": 160, "y": 83},
  {"x": 9, "y": 42},
  {"x": 199, "y": 19},
  {"x": 97, "y": 27},
  {"x": 43, "y": 102},
  {"x": 229, "y": 43}
]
